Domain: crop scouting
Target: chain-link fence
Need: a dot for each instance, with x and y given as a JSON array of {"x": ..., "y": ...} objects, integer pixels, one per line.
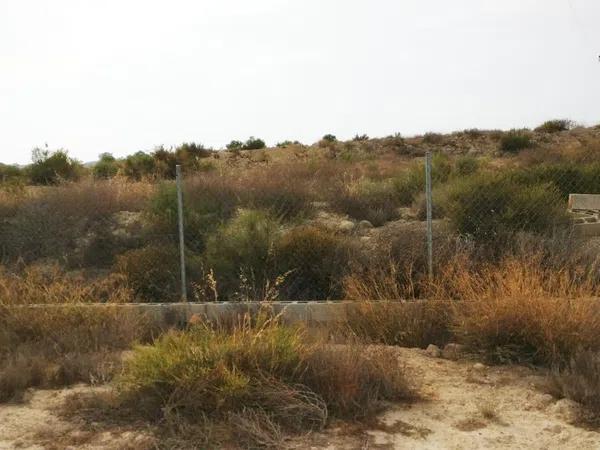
[{"x": 300, "y": 231}]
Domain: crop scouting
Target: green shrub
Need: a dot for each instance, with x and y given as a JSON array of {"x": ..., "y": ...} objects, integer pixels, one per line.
[
  {"x": 314, "y": 260},
  {"x": 329, "y": 138},
  {"x": 263, "y": 374},
  {"x": 433, "y": 138},
  {"x": 375, "y": 201},
  {"x": 153, "y": 272},
  {"x": 53, "y": 167},
  {"x": 254, "y": 144},
  {"x": 568, "y": 178},
  {"x": 235, "y": 145},
  {"x": 466, "y": 165},
  {"x": 555, "y": 126},
  {"x": 106, "y": 167},
  {"x": 360, "y": 138},
  {"x": 487, "y": 206},
  {"x": 138, "y": 166},
  {"x": 515, "y": 141},
  {"x": 10, "y": 173},
  {"x": 209, "y": 201},
  {"x": 241, "y": 252},
  {"x": 412, "y": 181}
]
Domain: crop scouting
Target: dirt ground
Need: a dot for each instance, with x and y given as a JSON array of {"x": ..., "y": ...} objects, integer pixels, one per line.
[{"x": 465, "y": 405}]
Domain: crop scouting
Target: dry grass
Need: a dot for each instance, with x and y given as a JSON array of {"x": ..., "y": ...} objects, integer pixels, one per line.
[
  {"x": 66, "y": 341},
  {"x": 521, "y": 310}
]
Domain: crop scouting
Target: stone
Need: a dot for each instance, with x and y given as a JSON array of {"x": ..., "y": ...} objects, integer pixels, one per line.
[
  {"x": 433, "y": 351},
  {"x": 345, "y": 226},
  {"x": 453, "y": 351},
  {"x": 479, "y": 367},
  {"x": 364, "y": 225}
]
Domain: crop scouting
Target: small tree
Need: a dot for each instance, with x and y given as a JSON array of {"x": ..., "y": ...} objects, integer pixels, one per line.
[
  {"x": 329, "y": 138},
  {"x": 106, "y": 167},
  {"x": 254, "y": 144},
  {"x": 235, "y": 145},
  {"x": 139, "y": 165},
  {"x": 53, "y": 167}
]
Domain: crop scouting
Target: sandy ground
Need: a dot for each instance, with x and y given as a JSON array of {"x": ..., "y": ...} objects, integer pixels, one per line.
[{"x": 465, "y": 406}]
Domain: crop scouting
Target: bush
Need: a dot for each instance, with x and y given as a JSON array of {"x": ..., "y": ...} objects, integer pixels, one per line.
[
  {"x": 66, "y": 342},
  {"x": 262, "y": 374},
  {"x": 235, "y": 145},
  {"x": 580, "y": 381},
  {"x": 360, "y": 138},
  {"x": 486, "y": 207},
  {"x": 569, "y": 178},
  {"x": 515, "y": 141},
  {"x": 314, "y": 261},
  {"x": 254, "y": 144},
  {"x": 555, "y": 126},
  {"x": 433, "y": 138},
  {"x": 521, "y": 310},
  {"x": 375, "y": 201},
  {"x": 52, "y": 168},
  {"x": 209, "y": 201},
  {"x": 329, "y": 138},
  {"x": 106, "y": 167},
  {"x": 403, "y": 323},
  {"x": 153, "y": 272},
  {"x": 466, "y": 165},
  {"x": 10, "y": 173},
  {"x": 241, "y": 254},
  {"x": 139, "y": 166},
  {"x": 412, "y": 181}
]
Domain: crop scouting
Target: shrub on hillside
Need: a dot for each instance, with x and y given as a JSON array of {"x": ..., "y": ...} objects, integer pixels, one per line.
[
  {"x": 466, "y": 165},
  {"x": 374, "y": 201},
  {"x": 555, "y": 126},
  {"x": 53, "y": 167},
  {"x": 314, "y": 261},
  {"x": 139, "y": 166},
  {"x": 515, "y": 141},
  {"x": 153, "y": 272},
  {"x": 241, "y": 253},
  {"x": 257, "y": 381},
  {"x": 66, "y": 342},
  {"x": 253, "y": 143},
  {"x": 209, "y": 201},
  {"x": 568, "y": 178},
  {"x": 329, "y": 138},
  {"x": 486, "y": 207},
  {"x": 433, "y": 138},
  {"x": 10, "y": 173},
  {"x": 522, "y": 310},
  {"x": 106, "y": 167},
  {"x": 235, "y": 145}
]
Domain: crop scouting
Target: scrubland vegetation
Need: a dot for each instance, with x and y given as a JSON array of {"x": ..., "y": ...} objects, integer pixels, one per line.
[{"x": 336, "y": 221}]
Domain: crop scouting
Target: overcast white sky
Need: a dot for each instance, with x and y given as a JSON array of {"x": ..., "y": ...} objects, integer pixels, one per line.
[{"x": 126, "y": 75}]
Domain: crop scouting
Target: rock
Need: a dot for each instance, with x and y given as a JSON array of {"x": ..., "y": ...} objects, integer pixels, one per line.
[
  {"x": 433, "y": 351},
  {"x": 479, "y": 367},
  {"x": 345, "y": 226},
  {"x": 453, "y": 351},
  {"x": 364, "y": 225},
  {"x": 566, "y": 409}
]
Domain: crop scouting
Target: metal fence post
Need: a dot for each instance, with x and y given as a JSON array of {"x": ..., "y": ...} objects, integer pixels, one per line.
[
  {"x": 181, "y": 234},
  {"x": 429, "y": 201}
]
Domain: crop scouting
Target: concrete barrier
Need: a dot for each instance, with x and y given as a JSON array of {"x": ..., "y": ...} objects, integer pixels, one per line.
[
  {"x": 590, "y": 202},
  {"x": 178, "y": 314}
]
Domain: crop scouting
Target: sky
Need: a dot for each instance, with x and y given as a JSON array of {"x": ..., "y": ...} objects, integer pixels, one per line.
[{"x": 121, "y": 76}]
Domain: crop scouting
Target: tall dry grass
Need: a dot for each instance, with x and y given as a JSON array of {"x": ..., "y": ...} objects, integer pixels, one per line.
[{"x": 65, "y": 341}]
